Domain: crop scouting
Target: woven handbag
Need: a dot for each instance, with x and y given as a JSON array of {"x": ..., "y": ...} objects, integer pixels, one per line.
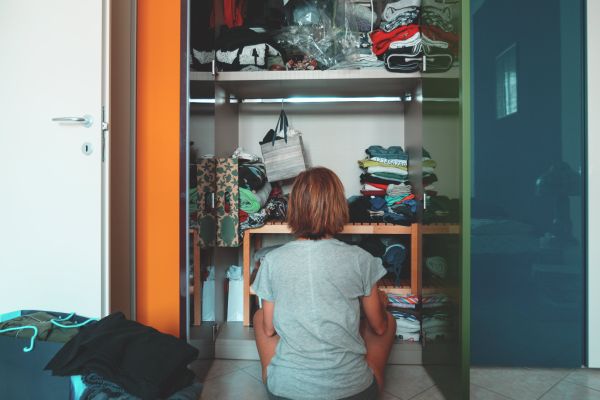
[{"x": 283, "y": 157}]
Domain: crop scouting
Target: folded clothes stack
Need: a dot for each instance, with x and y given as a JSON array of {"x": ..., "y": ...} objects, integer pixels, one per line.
[
  {"x": 439, "y": 34},
  {"x": 408, "y": 326},
  {"x": 437, "y": 326},
  {"x": 406, "y": 302},
  {"x": 398, "y": 40},
  {"x": 429, "y": 176},
  {"x": 386, "y": 189},
  {"x": 417, "y": 35},
  {"x": 435, "y": 300}
]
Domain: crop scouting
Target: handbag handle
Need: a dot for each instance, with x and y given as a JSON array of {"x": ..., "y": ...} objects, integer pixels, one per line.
[{"x": 283, "y": 124}]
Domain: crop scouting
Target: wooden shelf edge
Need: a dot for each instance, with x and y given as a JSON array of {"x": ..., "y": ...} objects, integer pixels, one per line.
[
  {"x": 368, "y": 73},
  {"x": 349, "y": 229},
  {"x": 441, "y": 229},
  {"x": 357, "y": 228},
  {"x": 402, "y": 290}
]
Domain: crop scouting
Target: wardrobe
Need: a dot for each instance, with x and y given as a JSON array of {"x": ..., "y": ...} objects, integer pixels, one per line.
[{"x": 340, "y": 113}]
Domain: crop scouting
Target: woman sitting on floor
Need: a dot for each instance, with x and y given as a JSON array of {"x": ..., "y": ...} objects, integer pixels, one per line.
[{"x": 310, "y": 337}]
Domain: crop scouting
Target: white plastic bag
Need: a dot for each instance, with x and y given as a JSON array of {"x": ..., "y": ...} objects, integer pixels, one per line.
[
  {"x": 235, "y": 299},
  {"x": 208, "y": 296}
]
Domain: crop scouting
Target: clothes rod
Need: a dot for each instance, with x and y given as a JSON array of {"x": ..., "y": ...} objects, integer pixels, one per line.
[
  {"x": 331, "y": 100},
  {"x": 308, "y": 100}
]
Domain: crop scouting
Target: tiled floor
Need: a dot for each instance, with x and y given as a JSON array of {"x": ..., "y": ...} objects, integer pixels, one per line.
[{"x": 240, "y": 380}]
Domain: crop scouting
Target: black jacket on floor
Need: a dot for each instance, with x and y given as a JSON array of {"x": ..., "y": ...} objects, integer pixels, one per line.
[{"x": 143, "y": 361}]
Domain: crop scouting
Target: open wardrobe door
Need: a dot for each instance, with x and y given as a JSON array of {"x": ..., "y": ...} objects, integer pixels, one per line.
[
  {"x": 53, "y": 156},
  {"x": 444, "y": 187}
]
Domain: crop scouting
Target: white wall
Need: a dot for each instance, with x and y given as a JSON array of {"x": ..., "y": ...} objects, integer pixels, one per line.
[
  {"x": 441, "y": 139},
  {"x": 202, "y": 128},
  {"x": 593, "y": 128},
  {"x": 334, "y": 135}
]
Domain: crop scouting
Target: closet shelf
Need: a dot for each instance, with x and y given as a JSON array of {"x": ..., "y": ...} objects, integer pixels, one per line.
[
  {"x": 365, "y": 229},
  {"x": 336, "y": 83}
]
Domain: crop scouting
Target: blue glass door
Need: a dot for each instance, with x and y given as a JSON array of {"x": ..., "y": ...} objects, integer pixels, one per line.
[{"x": 528, "y": 183}]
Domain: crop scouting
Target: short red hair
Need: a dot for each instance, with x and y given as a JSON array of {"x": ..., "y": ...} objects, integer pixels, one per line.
[{"x": 317, "y": 206}]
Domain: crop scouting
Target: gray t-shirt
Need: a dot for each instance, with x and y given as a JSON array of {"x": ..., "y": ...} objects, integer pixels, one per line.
[{"x": 315, "y": 286}]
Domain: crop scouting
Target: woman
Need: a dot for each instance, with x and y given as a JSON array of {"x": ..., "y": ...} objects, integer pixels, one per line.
[{"x": 310, "y": 337}]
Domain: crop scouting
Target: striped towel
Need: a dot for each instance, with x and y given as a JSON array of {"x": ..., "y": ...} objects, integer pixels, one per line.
[{"x": 399, "y": 301}]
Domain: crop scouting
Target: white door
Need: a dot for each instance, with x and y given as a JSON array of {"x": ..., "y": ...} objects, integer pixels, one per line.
[{"x": 51, "y": 170}]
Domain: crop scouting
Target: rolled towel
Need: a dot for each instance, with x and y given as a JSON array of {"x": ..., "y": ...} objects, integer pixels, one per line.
[{"x": 249, "y": 202}]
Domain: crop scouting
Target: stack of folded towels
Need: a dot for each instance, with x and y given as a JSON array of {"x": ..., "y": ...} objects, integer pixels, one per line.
[{"x": 408, "y": 326}]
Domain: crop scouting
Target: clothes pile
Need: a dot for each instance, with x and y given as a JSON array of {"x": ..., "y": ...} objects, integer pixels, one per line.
[
  {"x": 202, "y": 35},
  {"x": 256, "y": 35},
  {"x": 393, "y": 255},
  {"x": 259, "y": 200},
  {"x": 244, "y": 49},
  {"x": 116, "y": 355},
  {"x": 386, "y": 192}
]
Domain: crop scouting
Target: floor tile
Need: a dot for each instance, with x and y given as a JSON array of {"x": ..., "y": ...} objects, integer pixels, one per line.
[
  {"x": 235, "y": 385},
  {"x": 568, "y": 391},
  {"x": 406, "y": 381},
  {"x": 255, "y": 370},
  {"x": 433, "y": 393},
  {"x": 518, "y": 383},
  {"x": 479, "y": 393},
  {"x": 387, "y": 396},
  {"x": 209, "y": 369},
  {"x": 585, "y": 377}
]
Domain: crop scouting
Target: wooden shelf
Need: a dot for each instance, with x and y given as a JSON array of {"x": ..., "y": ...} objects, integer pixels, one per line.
[
  {"x": 337, "y": 83},
  {"x": 440, "y": 229},
  {"x": 349, "y": 229},
  {"x": 398, "y": 290},
  {"x": 366, "y": 229}
]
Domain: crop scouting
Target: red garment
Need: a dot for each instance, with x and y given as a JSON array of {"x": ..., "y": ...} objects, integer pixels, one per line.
[
  {"x": 381, "y": 39},
  {"x": 409, "y": 197},
  {"x": 233, "y": 12},
  {"x": 242, "y": 215},
  {"x": 436, "y": 33},
  {"x": 382, "y": 186}
]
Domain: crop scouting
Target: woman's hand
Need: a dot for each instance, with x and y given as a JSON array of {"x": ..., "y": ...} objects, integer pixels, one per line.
[
  {"x": 374, "y": 307},
  {"x": 383, "y": 299}
]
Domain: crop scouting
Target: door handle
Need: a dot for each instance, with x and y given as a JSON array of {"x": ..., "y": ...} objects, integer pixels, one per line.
[{"x": 86, "y": 120}]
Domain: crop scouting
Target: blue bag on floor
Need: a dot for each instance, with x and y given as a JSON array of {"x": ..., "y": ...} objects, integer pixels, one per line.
[{"x": 22, "y": 374}]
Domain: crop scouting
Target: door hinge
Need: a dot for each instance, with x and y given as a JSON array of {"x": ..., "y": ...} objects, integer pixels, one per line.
[
  {"x": 104, "y": 130},
  {"x": 104, "y": 124}
]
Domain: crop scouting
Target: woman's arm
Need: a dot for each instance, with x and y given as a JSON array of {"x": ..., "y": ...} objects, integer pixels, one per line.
[
  {"x": 374, "y": 307},
  {"x": 268, "y": 308}
]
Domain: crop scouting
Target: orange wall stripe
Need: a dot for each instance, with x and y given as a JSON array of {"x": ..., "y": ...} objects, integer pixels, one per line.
[{"x": 157, "y": 164}]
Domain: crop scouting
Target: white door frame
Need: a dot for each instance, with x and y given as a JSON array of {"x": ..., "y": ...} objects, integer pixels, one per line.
[
  {"x": 106, "y": 93},
  {"x": 593, "y": 173}
]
